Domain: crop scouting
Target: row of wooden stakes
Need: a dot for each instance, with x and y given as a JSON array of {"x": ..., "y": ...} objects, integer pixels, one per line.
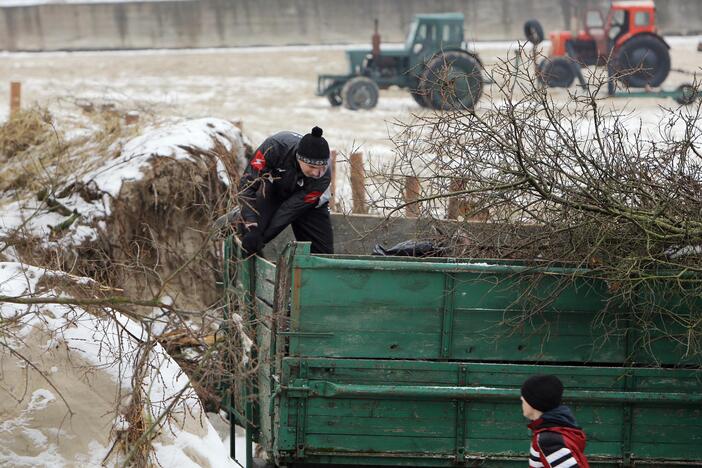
[{"x": 457, "y": 206}]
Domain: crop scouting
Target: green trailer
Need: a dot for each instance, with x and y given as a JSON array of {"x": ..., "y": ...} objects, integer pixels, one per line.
[{"x": 363, "y": 360}]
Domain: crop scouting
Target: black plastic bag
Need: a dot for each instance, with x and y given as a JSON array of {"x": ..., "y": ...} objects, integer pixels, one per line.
[{"x": 410, "y": 248}]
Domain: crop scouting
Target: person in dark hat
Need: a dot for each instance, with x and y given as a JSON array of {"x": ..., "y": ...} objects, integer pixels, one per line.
[
  {"x": 557, "y": 441},
  {"x": 287, "y": 182}
]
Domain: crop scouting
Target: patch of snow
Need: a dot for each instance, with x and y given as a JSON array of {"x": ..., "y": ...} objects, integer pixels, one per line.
[
  {"x": 39, "y": 400},
  {"x": 96, "y": 453},
  {"x": 17, "y": 279},
  {"x": 222, "y": 173},
  {"x": 188, "y": 446},
  {"x": 49, "y": 457},
  {"x": 221, "y": 425},
  {"x": 34, "y": 216},
  {"x": 110, "y": 342},
  {"x": 166, "y": 142},
  {"x": 36, "y": 436}
]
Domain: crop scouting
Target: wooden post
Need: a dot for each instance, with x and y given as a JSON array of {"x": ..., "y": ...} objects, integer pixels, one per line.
[
  {"x": 332, "y": 162},
  {"x": 358, "y": 183},
  {"x": 131, "y": 118},
  {"x": 412, "y": 191},
  {"x": 456, "y": 204},
  {"x": 87, "y": 106},
  {"x": 15, "y": 94},
  {"x": 110, "y": 110}
]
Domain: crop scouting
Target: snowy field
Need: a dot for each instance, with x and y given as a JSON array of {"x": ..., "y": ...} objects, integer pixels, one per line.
[{"x": 268, "y": 88}]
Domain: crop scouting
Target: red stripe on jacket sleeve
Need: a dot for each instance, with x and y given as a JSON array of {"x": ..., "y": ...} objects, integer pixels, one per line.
[
  {"x": 312, "y": 197},
  {"x": 259, "y": 161}
]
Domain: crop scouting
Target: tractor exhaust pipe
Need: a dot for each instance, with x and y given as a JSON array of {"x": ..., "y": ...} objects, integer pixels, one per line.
[{"x": 375, "y": 41}]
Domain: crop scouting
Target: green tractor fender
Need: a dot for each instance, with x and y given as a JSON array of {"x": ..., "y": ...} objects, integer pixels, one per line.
[
  {"x": 472, "y": 54},
  {"x": 419, "y": 69}
]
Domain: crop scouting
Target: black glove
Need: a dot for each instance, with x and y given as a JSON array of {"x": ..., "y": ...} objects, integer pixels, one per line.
[{"x": 252, "y": 241}]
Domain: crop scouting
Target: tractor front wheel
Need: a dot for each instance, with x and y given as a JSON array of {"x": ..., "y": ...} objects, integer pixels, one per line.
[
  {"x": 334, "y": 98},
  {"x": 687, "y": 94},
  {"x": 642, "y": 61},
  {"x": 360, "y": 93},
  {"x": 556, "y": 72},
  {"x": 451, "y": 80}
]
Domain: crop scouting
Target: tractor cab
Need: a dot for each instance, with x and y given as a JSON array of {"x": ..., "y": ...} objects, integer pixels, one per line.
[
  {"x": 626, "y": 19},
  {"x": 599, "y": 35},
  {"x": 432, "y": 32},
  {"x": 428, "y": 34}
]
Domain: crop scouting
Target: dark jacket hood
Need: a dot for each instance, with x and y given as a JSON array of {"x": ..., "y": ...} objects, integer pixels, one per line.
[{"x": 561, "y": 415}]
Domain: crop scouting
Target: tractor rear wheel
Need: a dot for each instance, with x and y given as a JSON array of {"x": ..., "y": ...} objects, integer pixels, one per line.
[
  {"x": 419, "y": 97},
  {"x": 451, "y": 80},
  {"x": 556, "y": 72},
  {"x": 642, "y": 61},
  {"x": 360, "y": 93}
]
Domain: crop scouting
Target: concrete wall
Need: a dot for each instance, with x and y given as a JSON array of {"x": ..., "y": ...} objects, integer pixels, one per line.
[{"x": 224, "y": 23}]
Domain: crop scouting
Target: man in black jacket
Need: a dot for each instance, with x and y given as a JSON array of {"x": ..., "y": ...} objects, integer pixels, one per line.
[{"x": 287, "y": 182}]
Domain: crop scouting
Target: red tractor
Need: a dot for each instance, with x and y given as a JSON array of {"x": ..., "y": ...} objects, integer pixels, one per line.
[{"x": 627, "y": 41}]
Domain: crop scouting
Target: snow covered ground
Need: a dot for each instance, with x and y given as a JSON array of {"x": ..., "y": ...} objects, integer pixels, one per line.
[
  {"x": 68, "y": 375},
  {"x": 107, "y": 177},
  {"x": 268, "y": 88},
  {"x": 68, "y": 372}
]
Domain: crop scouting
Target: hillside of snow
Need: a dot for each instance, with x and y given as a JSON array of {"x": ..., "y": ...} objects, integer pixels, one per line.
[{"x": 86, "y": 379}]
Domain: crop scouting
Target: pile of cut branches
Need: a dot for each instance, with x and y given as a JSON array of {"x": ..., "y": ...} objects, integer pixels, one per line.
[{"x": 567, "y": 177}]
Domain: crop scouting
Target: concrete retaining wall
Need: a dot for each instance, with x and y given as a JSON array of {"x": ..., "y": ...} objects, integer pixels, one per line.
[{"x": 225, "y": 23}]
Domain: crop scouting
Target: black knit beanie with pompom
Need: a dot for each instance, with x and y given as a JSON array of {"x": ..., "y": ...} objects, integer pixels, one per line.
[{"x": 313, "y": 148}]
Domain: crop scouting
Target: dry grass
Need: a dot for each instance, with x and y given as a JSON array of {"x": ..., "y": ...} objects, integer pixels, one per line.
[
  {"x": 28, "y": 144},
  {"x": 25, "y": 129},
  {"x": 37, "y": 156}
]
